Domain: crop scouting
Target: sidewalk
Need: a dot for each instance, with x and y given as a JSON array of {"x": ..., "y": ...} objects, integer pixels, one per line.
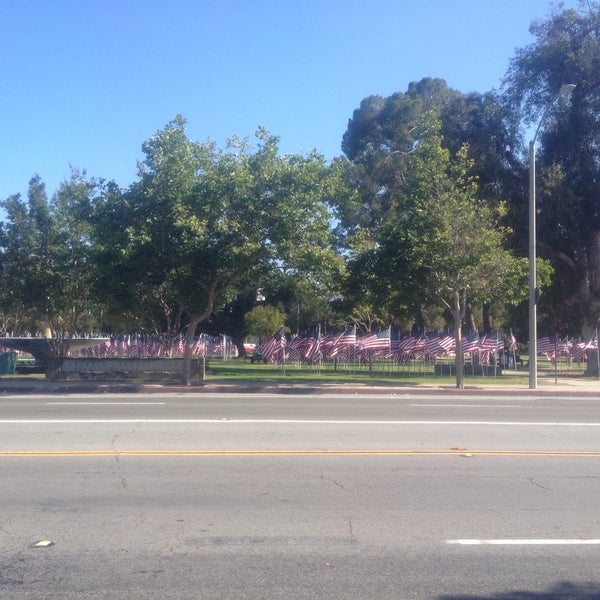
[{"x": 586, "y": 387}]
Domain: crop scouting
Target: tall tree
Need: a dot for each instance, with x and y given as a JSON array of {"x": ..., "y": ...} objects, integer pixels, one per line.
[
  {"x": 379, "y": 143},
  {"x": 566, "y": 50},
  {"x": 200, "y": 219},
  {"x": 46, "y": 257},
  {"x": 380, "y": 138},
  {"x": 448, "y": 240},
  {"x": 137, "y": 238}
]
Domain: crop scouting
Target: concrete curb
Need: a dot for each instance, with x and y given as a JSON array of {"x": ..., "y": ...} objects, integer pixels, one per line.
[{"x": 573, "y": 388}]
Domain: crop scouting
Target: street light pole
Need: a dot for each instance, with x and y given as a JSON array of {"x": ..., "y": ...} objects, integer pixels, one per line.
[
  {"x": 565, "y": 90},
  {"x": 532, "y": 270}
]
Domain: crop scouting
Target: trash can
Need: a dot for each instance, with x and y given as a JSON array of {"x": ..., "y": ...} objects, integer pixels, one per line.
[{"x": 8, "y": 363}]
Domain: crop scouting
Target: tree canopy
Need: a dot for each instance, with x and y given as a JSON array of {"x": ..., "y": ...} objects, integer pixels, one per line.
[
  {"x": 442, "y": 244},
  {"x": 45, "y": 259},
  {"x": 200, "y": 219},
  {"x": 566, "y": 49}
]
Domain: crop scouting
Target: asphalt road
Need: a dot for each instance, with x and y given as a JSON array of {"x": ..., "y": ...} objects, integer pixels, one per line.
[{"x": 185, "y": 496}]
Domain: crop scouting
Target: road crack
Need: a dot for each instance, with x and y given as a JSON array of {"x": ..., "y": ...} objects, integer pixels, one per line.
[
  {"x": 4, "y": 524},
  {"x": 533, "y": 482},
  {"x": 117, "y": 452},
  {"x": 333, "y": 481}
]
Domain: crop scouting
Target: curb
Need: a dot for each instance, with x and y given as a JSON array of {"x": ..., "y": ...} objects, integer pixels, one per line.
[{"x": 59, "y": 388}]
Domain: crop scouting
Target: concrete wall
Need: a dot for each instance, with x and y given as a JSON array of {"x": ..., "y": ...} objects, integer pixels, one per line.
[
  {"x": 487, "y": 370},
  {"x": 117, "y": 368}
]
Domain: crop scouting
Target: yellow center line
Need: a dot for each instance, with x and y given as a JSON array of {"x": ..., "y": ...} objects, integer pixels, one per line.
[{"x": 208, "y": 453}]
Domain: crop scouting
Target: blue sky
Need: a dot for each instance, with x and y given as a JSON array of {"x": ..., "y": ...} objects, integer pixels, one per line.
[{"x": 85, "y": 82}]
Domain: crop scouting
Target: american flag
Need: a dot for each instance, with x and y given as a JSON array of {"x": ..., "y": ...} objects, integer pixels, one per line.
[
  {"x": 199, "y": 348},
  {"x": 347, "y": 337},
  {"x": 273, "y": 346},
  {"x": 326, "y": 343},
  {"x": 546, "y": 345},
  {"x": 375, "y": 341},
  {"x": 579, "y": 349},
  {"x": 436, "y": 344},
  {"x": 491, "y": 343},
  {"x": 312, "y": 353},
  {"x": 512, "y": 346},
  {"x": 553, "y": 347},
  {"x": 296, "y": 347},
  {"x": 408, "y": 347},
  {"x": 470, "y": 343}
]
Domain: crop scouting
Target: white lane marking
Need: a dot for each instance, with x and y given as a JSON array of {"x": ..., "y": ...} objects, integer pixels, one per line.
[
  {"x": 466, "y": 405},
  {"x": 527, "y": 542},
  {"x": 228, "y": 421},
  {"x": 105, "y": 403}
]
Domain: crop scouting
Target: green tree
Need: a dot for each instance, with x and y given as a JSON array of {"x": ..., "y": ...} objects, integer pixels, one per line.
[
  {"x": 566, "y": 49},
  {"x": 380, "y": 140},
  {"x": 379, "y": 143},
  {"x": 46, "y": 267},
  {"x": 229, "y": 319},
  {"x": 447, "y": 242},
  {"x": 264, "y": 320},
  {"x": 199, "y": 220},
  {"x": 138, "y": 241}
]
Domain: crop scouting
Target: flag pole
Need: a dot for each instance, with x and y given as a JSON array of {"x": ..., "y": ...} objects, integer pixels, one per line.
[
  {"x": 555, "y": 358},
  {"x": 598, "y": 354},
  {"x": 496, "y": 357},
  {"x": 514, "y": 351}
]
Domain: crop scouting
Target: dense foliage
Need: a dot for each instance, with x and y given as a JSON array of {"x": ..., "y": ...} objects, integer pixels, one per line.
[{"x": 566, "y": 50}]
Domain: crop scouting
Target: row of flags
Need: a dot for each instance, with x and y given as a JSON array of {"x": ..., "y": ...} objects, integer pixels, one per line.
[
  {"x": 347, "y": 346},
  {"x": 138, "y": 346},
  {"x": 573, "y": 349}
]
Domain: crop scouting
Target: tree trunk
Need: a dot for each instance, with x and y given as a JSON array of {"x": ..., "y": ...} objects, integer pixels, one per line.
[
  {"x": 594, "y": 264},
  {"x": 195, "y": 320},
  {"x": 488, "y": 319},
  {"x": 419, "y": 324},
  {"x": 590, "y": 288},
  {"x": 470, "y": 319},
  {"x": 459, "y": 360},
  {"x": 238, "y": 342},
  {"x": 211, "y": 291},
  {"x": 591, "y": 370}
]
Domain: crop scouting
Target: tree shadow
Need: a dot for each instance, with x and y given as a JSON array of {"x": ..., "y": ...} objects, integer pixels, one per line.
[{"x": 563, "y": 590}]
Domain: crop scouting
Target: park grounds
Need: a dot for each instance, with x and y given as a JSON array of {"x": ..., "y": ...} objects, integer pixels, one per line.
[{"x": 239, "y": 376}]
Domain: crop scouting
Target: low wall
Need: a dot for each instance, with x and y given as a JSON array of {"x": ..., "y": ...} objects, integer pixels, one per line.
[
  {"x": 123, "y": 368},
  {"x": 486, "y": 370}
]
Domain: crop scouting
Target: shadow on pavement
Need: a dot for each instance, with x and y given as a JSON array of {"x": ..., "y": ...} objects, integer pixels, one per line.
[{"x": 561, "y": 591}]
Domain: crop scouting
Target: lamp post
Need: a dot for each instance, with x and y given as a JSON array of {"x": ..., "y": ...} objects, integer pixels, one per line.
[{"x": 565, "y": 90}]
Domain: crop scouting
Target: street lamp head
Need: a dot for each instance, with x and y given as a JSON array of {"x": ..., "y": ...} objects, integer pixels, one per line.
[{"x": 566, "y": 89}]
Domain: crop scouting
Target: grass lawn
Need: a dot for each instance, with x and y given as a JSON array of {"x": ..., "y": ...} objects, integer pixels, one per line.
[{"x": 238, "y": 371}]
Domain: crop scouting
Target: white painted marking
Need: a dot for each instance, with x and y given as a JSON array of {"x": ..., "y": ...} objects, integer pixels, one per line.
[
  {"x": 43, "y": 544},
  {"x": 527, "y": 542},
  {"x": 466, "y": 405},
  {"x": 227, "y": 421},
  {"x": 105, "y": 403}
]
